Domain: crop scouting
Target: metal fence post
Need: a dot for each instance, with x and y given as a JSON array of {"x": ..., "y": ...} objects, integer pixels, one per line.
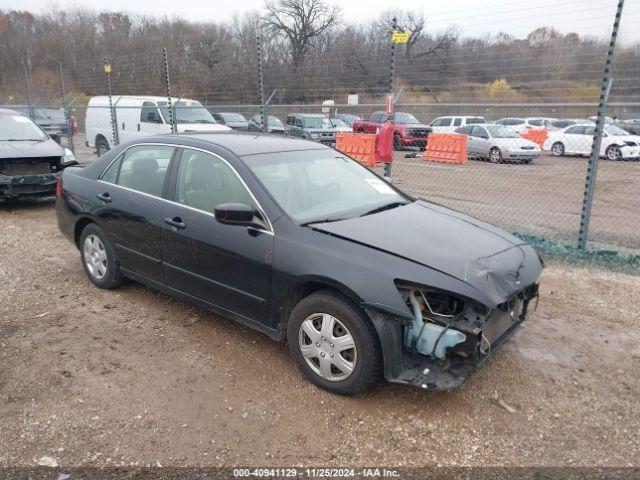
[
  {"x": 263, "y": 107},
  {"x": 63, "y": 92},
  {"x": 112, "y": 110},
  {"x": 392, "y": 85},
  {"x": 27, "y": 84},
  {"x": 592, "y": 168},
  {"x": 167, "y": 82}
]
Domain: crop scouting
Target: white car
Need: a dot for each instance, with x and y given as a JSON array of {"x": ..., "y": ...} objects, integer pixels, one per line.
[
  {"x": 617, "y": 144},
  {"x": 449, "y": 124},
  {"x": 521, "y": 125},
  {"x": 142, "y": 116}
]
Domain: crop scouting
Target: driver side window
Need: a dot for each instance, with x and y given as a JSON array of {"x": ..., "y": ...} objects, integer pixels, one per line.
[
  {"x": 149, "y": 113},
  {"x": 206, "y": 181}
]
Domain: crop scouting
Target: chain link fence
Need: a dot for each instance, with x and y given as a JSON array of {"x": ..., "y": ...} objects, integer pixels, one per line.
[{"x": 550, "y": 122}]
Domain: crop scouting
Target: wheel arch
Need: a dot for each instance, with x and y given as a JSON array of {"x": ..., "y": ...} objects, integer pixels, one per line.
[
  {"x": 307, "y": 286},
  {"x": 79, "y": 227}
]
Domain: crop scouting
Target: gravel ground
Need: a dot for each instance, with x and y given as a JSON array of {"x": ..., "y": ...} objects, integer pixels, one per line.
[{"x": 133, "y": 377}]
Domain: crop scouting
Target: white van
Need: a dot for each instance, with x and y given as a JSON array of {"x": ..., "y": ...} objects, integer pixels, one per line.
[
  {"x": 449, "y": 124},
  {"x": 141, "y": 116}
]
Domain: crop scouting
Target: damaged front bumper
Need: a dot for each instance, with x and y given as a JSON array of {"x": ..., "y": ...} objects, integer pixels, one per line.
[
  {"x": 410, "y": 366},
  {"x": 15, "y": 186}
]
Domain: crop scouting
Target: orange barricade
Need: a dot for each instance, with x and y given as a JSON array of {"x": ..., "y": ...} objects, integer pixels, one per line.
[
  {"x": 446, "y": 148},
  {"x": 536, "y": 136},
  {"x": 360, "y": 146}
]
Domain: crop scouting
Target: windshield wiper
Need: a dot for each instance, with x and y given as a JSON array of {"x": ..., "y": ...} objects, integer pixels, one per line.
[
  {"x": 324, "y": 220},
  {"x": 382, "y": 208}
]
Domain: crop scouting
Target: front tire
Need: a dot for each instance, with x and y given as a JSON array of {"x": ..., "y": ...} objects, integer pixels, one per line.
[
  {"x": 495, "y": 155},
  {"x": 98, "y": 258},
  {"x": 557, "y": 149},
  {"x": 613, "y": 152},
  {"x": 334, "y": 343},
  {"x": 102, "y": 146}
]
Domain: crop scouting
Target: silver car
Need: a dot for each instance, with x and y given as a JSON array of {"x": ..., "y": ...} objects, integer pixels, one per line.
[{"x": 498, "y": 144}]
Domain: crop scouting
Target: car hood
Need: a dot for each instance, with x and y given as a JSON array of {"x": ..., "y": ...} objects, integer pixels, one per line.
[
  {"x": 486, "y": 257},
  {"x": 201, "y": 127},
  {"x": 626, "y": 138},
  {"x": 48, "y": 148}
]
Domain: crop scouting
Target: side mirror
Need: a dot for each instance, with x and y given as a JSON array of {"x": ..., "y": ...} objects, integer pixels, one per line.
[{"x": 234, "y": 214}]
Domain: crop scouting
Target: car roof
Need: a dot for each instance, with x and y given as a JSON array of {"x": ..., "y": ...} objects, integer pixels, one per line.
[{"x": 243, "y": 144}]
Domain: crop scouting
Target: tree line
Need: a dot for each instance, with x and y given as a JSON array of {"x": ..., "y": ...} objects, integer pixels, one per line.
[{"x": 310, "y": 53}]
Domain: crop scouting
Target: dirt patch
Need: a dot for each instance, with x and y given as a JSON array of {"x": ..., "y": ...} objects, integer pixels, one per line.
[{"x": 108, "y": 378}]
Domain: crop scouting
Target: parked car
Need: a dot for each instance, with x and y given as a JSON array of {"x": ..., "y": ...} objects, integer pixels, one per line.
[
  {"x": 51, "y": 120},
  {"x": 237, "y": 121},
  {"x": 274, "y": 124},
  {"x": 498, "y": 144},
  {"x": 348, "y": 118},
  {"x": 617, "y": 144},
  {"x": 520, "y": 125},
  {"x": 30, "y": 161},
  {"x": 408, "y": 130},
  {"x": 632, "y": 126},
  {"x": 315, "y": 126},
  {"x": 607, "y": 120},
  {"x": 142, "y": 116},
  {"x": 302, "y": 243},
  {"x": 449, "y": 124}
]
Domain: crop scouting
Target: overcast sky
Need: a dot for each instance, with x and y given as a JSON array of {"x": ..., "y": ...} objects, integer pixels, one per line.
[{"x": 474, "y": 17}]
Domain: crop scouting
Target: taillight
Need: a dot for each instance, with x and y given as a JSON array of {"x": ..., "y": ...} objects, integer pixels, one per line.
[
  {"x": 74, "y": 125},
  {"x": 59, "y": 188}
]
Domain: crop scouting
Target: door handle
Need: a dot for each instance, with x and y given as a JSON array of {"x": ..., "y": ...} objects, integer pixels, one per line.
[
  {"x": 105, "y": 197},
  {"x": 175, "y": 222},
  {"x": 122, "y": 125},
  {"x": 138, "y": 127}
]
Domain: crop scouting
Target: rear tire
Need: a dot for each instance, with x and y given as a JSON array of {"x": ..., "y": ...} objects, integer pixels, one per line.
[
  {"x": 334, "y": 343},
  {"x": 98, "y": 258}
]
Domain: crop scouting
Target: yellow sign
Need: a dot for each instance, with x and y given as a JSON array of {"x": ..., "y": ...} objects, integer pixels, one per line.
[
  {"x": 400, "y": 36},
  {"x": 107, "y": 68}
]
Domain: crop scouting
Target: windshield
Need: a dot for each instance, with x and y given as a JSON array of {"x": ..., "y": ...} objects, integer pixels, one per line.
[
  {"x": 187, "y": 111},
  {"x": 313, "y": 186},
  {"x": 406, "y": 118},
  {"x": 614, "y": 131},
  {"x": 54, "y": 113},
  {"x": 321, "y": 122},
  {"x": 500, "y": 131},
  {"x": 19, "y": 127},
  {"x": 233, "y": 117}
]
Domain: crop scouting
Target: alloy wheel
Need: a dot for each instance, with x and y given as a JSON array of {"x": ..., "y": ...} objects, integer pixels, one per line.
[
  {"x": 95, "y": 257},
  {"x": 327, "y": 346}
]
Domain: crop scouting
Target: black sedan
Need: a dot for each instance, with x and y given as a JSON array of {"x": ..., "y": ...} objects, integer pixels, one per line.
[
  {"x": 30, "y": 161},
  {"x": 303, "y": 243}
]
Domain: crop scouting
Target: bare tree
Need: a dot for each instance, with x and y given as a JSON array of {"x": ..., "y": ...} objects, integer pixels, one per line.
[{"x": 300, "y": 22}]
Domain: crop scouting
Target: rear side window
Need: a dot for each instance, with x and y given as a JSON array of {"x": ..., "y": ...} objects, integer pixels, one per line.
[
  {"x": 464, "y": 130},
  {"x": 205, "y": 181},
  {"x": 475, "y": 120},
  {"x": 577, "y": 130},
  {"x": 536, "y": 122},
  {"x": 479, "y": 132},
  {"x": 457, "y": 122},
  {"x": 514, "y": 121},
  {"x": 141, "y": 168}
]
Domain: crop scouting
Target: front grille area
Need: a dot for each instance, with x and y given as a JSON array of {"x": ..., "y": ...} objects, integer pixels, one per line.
[
  {"x": 27, "y": 166},
  {"x": 419, "y": 132}
]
